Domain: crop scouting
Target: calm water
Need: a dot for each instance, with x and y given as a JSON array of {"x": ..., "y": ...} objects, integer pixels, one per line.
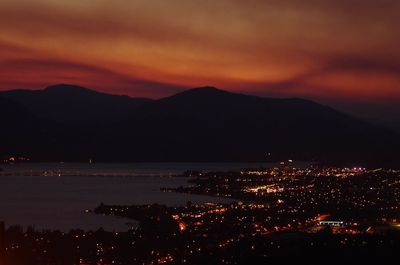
[{"x": 52, "y": 202}]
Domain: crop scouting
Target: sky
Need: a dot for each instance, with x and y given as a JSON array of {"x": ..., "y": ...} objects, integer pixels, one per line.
[{"x": 344, "y": 53}]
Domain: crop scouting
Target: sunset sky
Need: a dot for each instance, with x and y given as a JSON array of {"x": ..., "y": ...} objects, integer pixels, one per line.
[{"x": 340, "y": 52}]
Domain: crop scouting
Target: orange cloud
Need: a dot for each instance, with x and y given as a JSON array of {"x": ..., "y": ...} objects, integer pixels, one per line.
[{"x": 317, "y": 48}]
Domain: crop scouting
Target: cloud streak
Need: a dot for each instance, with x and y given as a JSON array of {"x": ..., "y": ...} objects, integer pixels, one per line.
[
  {"x": 316, "y": 48},
  {"x": 50, "y": 71}
]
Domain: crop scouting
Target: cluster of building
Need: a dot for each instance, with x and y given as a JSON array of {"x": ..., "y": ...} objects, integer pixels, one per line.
[
  {"x": 277, "y": 216},
  {"x": 14, "y": 159}
]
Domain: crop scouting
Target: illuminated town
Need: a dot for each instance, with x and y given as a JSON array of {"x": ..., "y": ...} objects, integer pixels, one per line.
[
  {"x": 184, "y": 132},
  {"x": 277, "y": 216}
]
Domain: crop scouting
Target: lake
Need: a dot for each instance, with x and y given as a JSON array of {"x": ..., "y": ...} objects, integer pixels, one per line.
[{"x": 58, "y": 202}]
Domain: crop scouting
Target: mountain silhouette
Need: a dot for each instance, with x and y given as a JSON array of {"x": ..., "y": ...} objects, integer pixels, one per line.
[
  {"x": 208, "y": 123},
  {"x": 201, "y": 124},
  {"x": 72, "y": 104},
  {"x": 22, "y": 132}
]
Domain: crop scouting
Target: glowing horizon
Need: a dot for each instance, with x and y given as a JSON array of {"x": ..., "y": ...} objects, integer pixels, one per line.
[{"x": 328, "y": 50}]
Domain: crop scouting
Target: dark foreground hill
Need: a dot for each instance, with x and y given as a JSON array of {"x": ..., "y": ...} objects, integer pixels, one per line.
[
  {"x": 21, "y": 132},
  {"x": 203, "y": 124}
]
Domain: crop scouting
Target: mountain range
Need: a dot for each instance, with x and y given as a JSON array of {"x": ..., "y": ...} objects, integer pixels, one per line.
[{"x": 72, "y": 123}]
